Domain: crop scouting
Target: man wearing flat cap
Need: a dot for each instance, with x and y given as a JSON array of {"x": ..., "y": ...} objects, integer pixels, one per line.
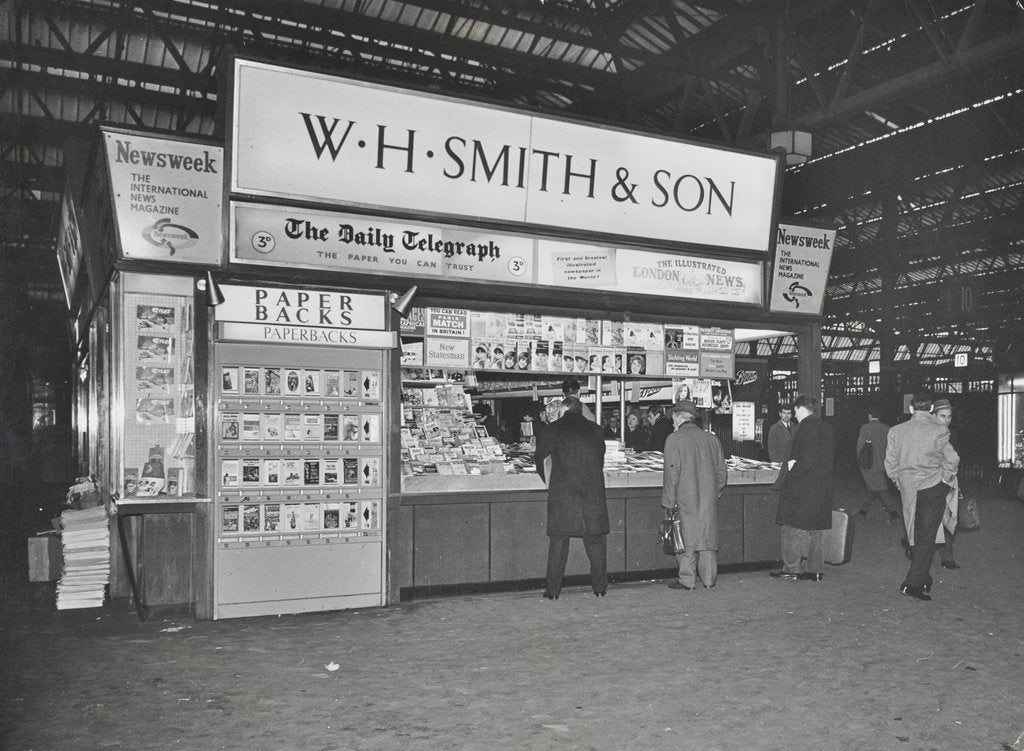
[
  {"x": 694, "y": 477},
  {"x": 921, "y": 461}
]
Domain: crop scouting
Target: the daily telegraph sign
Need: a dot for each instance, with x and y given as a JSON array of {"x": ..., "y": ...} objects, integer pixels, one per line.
[
  {"x": 308, "y": 136},
  {"x": 338, "y": 241}
]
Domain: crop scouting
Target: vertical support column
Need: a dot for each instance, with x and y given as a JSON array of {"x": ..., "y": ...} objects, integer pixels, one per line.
[
  {"x": 888, "y": 269},
  {"x": 808, "y": 365},
  {"x": 778, "y": 41}
]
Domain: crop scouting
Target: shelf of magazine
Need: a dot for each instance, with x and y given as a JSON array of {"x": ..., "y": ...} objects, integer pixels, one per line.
[
  {"x": 299, "y": 455},
  {"x": 159, "y": 432},
  {"x": 527, "y": 342}
]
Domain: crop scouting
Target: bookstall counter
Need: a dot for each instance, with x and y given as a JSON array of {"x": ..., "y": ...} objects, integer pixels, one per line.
[{"x": 489, "y": 531}]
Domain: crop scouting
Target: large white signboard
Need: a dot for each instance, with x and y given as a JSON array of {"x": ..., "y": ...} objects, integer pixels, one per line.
[
  {"x": 301, "y": 135},
  {"x": 167, "y": 197},
  {"x": 800, "y": 275}
]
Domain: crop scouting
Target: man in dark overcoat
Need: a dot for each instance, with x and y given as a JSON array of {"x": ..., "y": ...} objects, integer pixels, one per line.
[
  {"x": 876, "y": 432},
  {"x": 576, "y": 497},
  {"x": 805, "y": 502},
  {"x": 661, "y": 427}
]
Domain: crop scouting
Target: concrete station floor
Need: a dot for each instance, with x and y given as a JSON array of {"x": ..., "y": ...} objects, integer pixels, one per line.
[{"x": 847, "y": 663}]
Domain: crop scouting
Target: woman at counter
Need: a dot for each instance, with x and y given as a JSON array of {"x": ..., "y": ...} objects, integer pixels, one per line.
[{"x": 637, "y": 434}]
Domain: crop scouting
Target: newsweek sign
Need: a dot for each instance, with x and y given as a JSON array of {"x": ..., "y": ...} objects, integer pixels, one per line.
[
  {"x": 802, "y": 258},
  {"x": 315, "y": 137},
  {"x": 167, "y": 197}
]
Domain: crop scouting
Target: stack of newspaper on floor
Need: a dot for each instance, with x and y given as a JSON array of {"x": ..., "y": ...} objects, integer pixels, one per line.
[{"x": 86, "y": 544}]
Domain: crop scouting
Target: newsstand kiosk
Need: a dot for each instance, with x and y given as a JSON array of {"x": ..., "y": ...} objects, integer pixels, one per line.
[{"x": 284, "y": 431}]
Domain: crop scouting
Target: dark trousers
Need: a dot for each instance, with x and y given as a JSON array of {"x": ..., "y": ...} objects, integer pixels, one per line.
[
  {"x": 946, "y": 548},
  {"x": 931, "y": 502},
  {"x": 558, "y": 553}
]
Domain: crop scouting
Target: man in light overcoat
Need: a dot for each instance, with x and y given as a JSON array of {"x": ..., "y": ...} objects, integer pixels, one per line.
[
  {"x": 922, "y": 463},
  {"x": 694, "y": 477}
]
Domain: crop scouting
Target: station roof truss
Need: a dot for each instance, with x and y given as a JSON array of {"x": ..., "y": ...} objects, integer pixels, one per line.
[{"x": 915, "y": 108}]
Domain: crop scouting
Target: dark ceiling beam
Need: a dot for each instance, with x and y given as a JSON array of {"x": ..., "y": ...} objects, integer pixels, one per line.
[
  {"x": 37, "y": 131},
  {"x": 44, "y": 177},
  {"x": 97, "y": 65},
  {"x": 1006, "y": 46},
  {"x": 896, "y": 162},
  {"x": 714, "y": 53},
  {"x": 511, "y": 71},
  {"x": 382, "y": 34},
  {"x": 130, "y": 97},
  {"x": 990, "y": 232},
  {"x": 1000, "y": 295},
  {"x": 24, "y": 219},
  {"x": 853, "y": 58}
]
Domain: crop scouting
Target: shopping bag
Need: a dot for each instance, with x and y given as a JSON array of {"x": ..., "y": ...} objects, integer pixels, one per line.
[
  {"x": 672, "y": 534},
  {"x": 967, "y": 513}
]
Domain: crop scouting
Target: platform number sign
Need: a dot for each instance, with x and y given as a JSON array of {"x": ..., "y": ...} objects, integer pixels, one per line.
[
  {"x": 960, "y": 297},
  {"x": 960, "y": 360}
]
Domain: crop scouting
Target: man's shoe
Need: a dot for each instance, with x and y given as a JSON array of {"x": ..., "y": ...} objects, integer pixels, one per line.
[
  {"x": 917, "y": 593},
  {"x": 862, "y": 512},
  {"x": 784, "y": 575},
  {"x": 549, "y": 596},
  {"x": 950, "y": 564},
  {"x": 677, "y": 585},
  {"x": 809, "y": 576},
  {"x": 927, "y": 587},
  {"x": 599, "y": 594}
]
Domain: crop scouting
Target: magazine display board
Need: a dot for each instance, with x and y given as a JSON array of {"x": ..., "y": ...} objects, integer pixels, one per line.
[
  {"x": 159, "y": 395},
  {"x": 299, "y": 477}
]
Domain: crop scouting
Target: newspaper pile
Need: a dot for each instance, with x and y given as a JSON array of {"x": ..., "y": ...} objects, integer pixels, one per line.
[{"x": 86, "y": 545}]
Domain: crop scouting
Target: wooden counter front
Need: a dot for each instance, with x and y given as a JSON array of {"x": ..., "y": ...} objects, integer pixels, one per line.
[
  {"x": 473, "y": 531},
  {"x": 163, "y": 545}
]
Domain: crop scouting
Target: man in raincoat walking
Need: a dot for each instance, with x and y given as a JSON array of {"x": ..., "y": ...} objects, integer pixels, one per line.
[{"x": 922, "y": 463}]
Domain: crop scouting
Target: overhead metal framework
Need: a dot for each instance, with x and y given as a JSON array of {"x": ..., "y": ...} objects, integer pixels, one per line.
[{"x": 916, "y": 109}]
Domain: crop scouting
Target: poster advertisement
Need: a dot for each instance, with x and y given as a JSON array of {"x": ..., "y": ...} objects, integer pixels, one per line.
[
  {"x": 69, "y": 246},
  {"x": 167, "y": 197},
  {"x": 717, "y": 365},
  {"x": 682, "y": 363},
  {"x": 447, "y": 322},
  {"x": 441, "y": 352},
  {"x": 743, "y": 421},
  {"x": 800, "y": 273}
]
